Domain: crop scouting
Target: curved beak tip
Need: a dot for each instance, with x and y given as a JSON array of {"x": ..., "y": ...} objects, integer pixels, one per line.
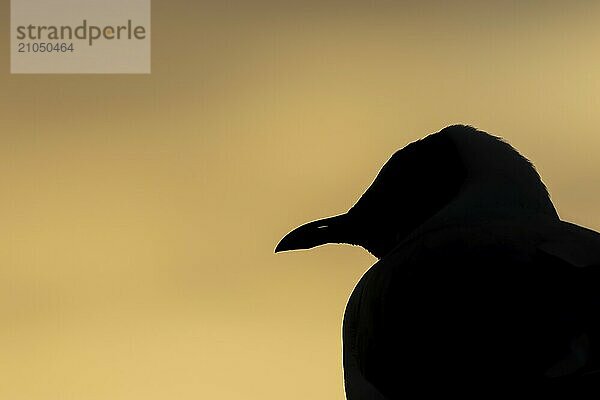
[
  {"x": 279, "y": 248},
  {"x": 313, "y": 234},
  {"x": 284, "y": 244}
]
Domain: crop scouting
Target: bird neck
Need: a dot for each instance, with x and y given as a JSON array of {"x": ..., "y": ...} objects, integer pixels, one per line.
[{"x": 498, "y": 199}]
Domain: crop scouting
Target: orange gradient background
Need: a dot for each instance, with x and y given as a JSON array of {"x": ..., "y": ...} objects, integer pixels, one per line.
[{"x": 139, "y": 213}]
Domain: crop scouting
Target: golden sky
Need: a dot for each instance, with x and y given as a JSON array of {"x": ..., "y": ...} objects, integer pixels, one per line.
[{"x": 140, "y": 212}]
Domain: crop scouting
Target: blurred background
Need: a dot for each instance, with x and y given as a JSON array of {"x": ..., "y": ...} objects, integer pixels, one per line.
[{"x": 140, "y": 212}]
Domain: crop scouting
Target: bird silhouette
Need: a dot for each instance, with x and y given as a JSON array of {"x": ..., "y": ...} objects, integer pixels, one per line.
[{"x": 479, "y": 284}]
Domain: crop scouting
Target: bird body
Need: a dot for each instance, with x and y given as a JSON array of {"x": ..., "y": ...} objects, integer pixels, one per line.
[
  {"x": 501, "y": 303},
  {"x": 478, "y": 283}
]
